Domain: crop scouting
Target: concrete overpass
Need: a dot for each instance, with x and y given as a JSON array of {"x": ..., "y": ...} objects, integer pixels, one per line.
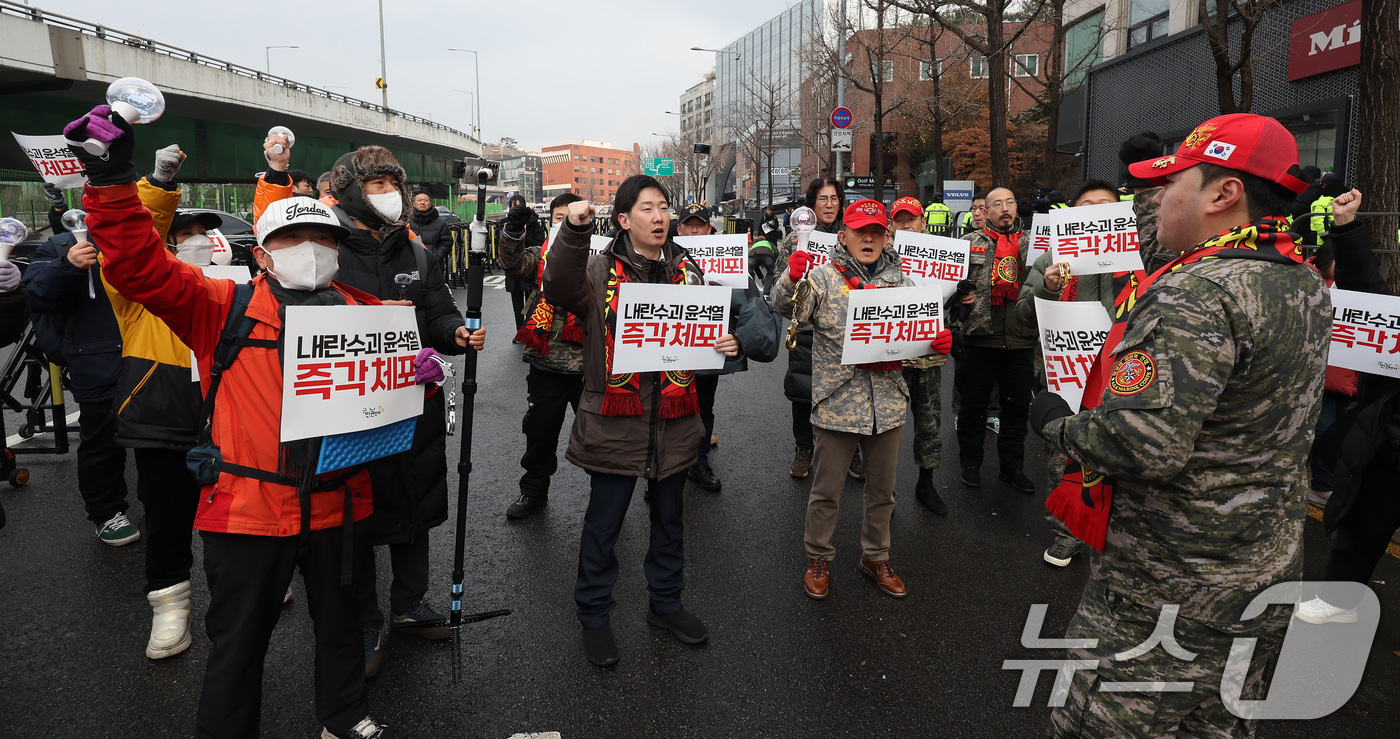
[{"x": 53, "y": 68}]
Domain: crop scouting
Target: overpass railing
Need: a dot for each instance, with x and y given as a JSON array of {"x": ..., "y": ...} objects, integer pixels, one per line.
[{"x": 8, "y": 7}]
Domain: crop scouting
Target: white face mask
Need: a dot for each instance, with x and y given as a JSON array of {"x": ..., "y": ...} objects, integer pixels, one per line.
[
  {"x": 387, "y": 204},
  {"x": 306, "y": 266},
  {"x": 197, "y": 250}
]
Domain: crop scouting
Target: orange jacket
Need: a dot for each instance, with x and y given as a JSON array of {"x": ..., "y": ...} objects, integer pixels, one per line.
[{"x": 248, "y": 411}]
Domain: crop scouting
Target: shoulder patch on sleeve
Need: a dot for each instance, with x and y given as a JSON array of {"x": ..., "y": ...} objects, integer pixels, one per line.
[{"x": 1132, "y": 373}]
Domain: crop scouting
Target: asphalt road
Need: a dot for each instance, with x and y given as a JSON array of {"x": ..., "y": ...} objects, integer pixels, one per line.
[{"x": 858, "y": 664}]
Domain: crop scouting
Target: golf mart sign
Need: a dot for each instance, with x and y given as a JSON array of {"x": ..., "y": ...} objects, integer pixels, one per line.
[{"x": 658, "y": 166}]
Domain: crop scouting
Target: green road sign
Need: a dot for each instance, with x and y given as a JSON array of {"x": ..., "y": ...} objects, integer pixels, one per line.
[{"x": 658, "y": 166}]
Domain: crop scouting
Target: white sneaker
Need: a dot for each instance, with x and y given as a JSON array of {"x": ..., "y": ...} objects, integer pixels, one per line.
[
  {"x": 170, "y": 623},
  {"x": 1319, "y": 611},
  {"x": 288, "y": 597}
]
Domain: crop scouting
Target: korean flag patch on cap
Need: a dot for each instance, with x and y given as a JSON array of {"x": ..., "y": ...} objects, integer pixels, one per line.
[{"x": 1220, "y": 150}]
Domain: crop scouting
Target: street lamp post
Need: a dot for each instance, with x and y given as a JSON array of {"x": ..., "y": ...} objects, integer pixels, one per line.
[
  {"x": 470, "y": 115},
  {"x": 267, "y": 54},
  {"x": 736, "y": 56},
  {"x": 383, "y": 61},
  {"x": 476, "y": 63}
]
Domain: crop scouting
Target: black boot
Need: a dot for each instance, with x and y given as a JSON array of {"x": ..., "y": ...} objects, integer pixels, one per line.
[
  {"x": 704, "y": 477},
  {"x": 525, "y": 506},
  {"x": 925, "y": 492}
]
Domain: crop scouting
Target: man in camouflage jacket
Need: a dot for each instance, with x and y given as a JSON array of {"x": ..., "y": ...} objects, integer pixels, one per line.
[
  {"x": 555, "y": 379},
  {"x": 852, "y": 406},
  {"x": 1204, "y": 428},
  {"x": 998, "y": 349}
]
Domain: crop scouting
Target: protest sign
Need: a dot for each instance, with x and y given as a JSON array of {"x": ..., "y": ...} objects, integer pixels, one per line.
[
  {"x": 1365, "y": 332},
  {"x": 669, "y": 327},
  {"x": 1040, "y": 237},
  {"x": 51, "y": 156},
  {"x": 932, "y": 260},
  {"x": 723, "y": 257},
  {"x": 891, "y": 323},
  {"x": 1071, "y": 335},
  {"x": 1095, "y": 239},
  {"x": 348, "y": 368},
  {"x": 819, "y": 245},
  {"x": 596, "y": 244}
]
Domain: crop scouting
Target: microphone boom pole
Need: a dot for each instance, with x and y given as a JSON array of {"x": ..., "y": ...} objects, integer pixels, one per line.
[{"x": 476, "y": 269}]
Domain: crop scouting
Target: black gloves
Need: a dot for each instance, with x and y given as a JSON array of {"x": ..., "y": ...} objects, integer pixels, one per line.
[
  {"x": 54, "y": 196},
  {"x": 114, "y": 167},
  {"x": 517, "y": 220},
  {"x": 1047, "y": 407}
]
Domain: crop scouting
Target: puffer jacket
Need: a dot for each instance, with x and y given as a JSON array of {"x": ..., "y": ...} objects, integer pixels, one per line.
[
  {"x": 845, "y": 397},
  {"x": 92, "y": 341},
  {"x": 248, "y": 410},
  {"x": 431, "y": 227},
  {"x": 637, "y": 446},
  {"x": 157, "y": 401},
  {"x": 797, "y": 381}
]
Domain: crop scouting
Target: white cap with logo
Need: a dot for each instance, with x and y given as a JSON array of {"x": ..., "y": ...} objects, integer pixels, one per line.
[{"x": 297, "y": 211}]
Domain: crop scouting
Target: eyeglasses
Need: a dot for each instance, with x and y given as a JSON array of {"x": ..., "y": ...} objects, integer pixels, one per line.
[
  {"x": 828, "y": 199},
  {"x": 1002, "y": 203}
]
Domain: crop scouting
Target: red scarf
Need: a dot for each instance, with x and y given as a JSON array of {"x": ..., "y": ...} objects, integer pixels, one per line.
[
  {"x": 1006, "y": 266},
  {"x": 853, "y": 280},
  {"x": 1084, "y": 497},
  {"x": 623, "y": 396},
  {"x": 535, "y": 332}
]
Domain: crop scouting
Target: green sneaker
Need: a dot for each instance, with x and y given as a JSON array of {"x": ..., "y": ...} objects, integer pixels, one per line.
[{"x": 118, "y": 531}]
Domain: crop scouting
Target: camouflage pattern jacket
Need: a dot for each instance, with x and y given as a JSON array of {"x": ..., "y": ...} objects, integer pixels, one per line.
[
  {"x": 994, "y": 326},
  {"x": 1154, "y": 256},
  {"x": 522, "y": 264},
  {"x": 785, "y": 249},
  {"x": 1207, "y": 441},
  {"x": 844, "y": 396}
]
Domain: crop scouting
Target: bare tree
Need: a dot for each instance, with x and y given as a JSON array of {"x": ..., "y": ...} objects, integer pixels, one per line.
[
  {"x": 994, "y": 43},
  {"x": 1378, "y": 165},
  {"x": 871, "y": 70},
  {"x": 1216, "y": 16},
  {"x": 759, "y": 122},
  {"x": 934, "y": 108}
]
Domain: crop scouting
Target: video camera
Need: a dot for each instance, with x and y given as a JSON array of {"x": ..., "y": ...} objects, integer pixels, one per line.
[{"x": 473, "y": 168}]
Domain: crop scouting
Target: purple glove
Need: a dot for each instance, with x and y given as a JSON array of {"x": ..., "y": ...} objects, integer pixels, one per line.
[
  {"x": 9, "y": 276},
  {"x": 96, "y": 124},
  {"x": 426, "y": 364}
]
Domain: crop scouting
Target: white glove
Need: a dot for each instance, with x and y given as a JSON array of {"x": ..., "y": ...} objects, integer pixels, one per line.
[{"x": 168, "y": 161}]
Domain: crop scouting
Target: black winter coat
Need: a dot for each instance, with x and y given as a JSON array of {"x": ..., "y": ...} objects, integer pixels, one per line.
[
  {"x": 431, "y": 227},
  {"x": 410, "y": 489},
  {"x": 92, "y": 341},
  {"x": 1352, "y": 444}
]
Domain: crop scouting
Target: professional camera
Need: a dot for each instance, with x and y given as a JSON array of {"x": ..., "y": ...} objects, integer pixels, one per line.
[{"x": 470, "y": 169}]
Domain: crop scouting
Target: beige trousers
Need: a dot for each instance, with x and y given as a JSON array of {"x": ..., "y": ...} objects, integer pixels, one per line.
[{"x": 831, "y": 459}]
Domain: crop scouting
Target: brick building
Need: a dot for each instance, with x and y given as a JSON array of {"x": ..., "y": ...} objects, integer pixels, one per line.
[
  {"x": 591, "y": 169},
  {"x": 907, "y": 69}
]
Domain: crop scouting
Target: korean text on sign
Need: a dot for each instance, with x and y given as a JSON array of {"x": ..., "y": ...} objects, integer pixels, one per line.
[
  {"x": 932, "y": 260},
  {"x": 1365, "y": 332},
  {"x": 892, "y": 323},
  {"x": 348, "y": 368},
  {"x": 54, "y": 161},
  {"x": 669, "y": 327},
  {"x": 723, "y": 257},
  {"x": 1040, "y": 236},
  {"x": 1071, "y": 335},
  {"x": 819, "y": 245},
  {"x": 1095, "y": 239}
]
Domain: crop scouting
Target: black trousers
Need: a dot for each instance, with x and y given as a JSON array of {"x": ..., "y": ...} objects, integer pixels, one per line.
[
  {"x": 550, "y": 394},
  {"x": 980, "y": 368},
  {"x": 802, "y": 424},
  {"x": 517, "y": 301},
  {"x": 1364, "y": 534},
  {"x": 761, "y": 269},
  {"x": 409, "y": 563},
  {"x": 597, "y": 564},
  {"x": 705, "y": 387},
  {"x": 170, "y": 496},
  {"x": 101, "y": 462},
  {"x": 248, "y": 575}
]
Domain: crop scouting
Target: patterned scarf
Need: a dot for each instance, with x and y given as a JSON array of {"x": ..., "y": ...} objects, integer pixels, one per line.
[
  {"x": 623, "y": 396},
  {"x": 1084, "y": 497},
  {"x": 1006, "y": 266},
  {"x": 1125, "y": 291},
  {"x": 853, "y": 280},
  {"x": 535, "y": 332}
]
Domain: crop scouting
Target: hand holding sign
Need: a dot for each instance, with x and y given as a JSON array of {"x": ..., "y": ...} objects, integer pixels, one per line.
[{"x": 893, "y": 323}]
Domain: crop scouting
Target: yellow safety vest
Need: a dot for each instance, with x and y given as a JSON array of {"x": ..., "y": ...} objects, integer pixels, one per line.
[
  {"x": 1321, "y": 224},
  {"x": 938, "y": 214}
]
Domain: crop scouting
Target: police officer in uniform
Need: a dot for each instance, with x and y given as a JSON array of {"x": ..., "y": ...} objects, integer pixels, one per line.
[
  {"x": 1187, "y": 465},
  {"x": 938, "y": 215}
]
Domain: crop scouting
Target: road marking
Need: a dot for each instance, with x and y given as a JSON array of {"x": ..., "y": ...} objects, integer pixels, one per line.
[
  {"x": 495, "y": 282},
  {"x": 541, "y": 735},
  {"x": 71, "y": 419}
]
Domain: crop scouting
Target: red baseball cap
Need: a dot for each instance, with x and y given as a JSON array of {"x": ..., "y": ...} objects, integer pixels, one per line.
[
  {"x": 1244, "y": 142},
  {"x": 863, "y": 213},
  {"x": 909, "y": 205}
]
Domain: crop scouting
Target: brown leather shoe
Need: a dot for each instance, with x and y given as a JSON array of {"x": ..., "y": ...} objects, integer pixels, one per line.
[
  {"x": 818, "y": 578},
  {"x": 885, "y": 579},
  {"x": 801, "y": 462}
]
